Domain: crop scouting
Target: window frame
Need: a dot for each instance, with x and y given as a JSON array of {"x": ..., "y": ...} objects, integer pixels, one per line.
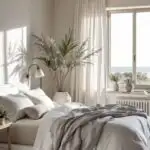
[
  {"x": 4, "y": 50},
  {"x": 134, "y": 11}
]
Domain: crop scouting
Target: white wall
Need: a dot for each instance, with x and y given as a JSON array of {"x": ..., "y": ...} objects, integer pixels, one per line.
[
  {"x": 42, "y": 16},
  {"x": 14, "y": 13},
  {"x": 64, "y": 17},
  {"x": 37, "y": 15},
  {"x": 42, "y": 23}
]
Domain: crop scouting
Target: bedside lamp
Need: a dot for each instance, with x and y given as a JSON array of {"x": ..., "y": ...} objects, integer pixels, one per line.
[{"x": 38, "y": 73}]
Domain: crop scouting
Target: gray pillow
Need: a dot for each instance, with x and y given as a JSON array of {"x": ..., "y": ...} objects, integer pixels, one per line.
[{"x": 36, "y": 112}]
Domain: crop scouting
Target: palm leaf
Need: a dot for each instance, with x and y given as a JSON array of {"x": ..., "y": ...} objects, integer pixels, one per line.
[{"x": 63, "y": 57}]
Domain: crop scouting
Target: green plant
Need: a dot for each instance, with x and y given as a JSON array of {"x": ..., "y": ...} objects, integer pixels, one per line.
[
  {"x": 115, "y": 77},
  {"x": 141, "y": 76},
  {"x": 3, "y": 112},
  {"x": 61, "y": 58},
  {"x": 127, "y": 75},
  {"x": 128, "y": 81}
]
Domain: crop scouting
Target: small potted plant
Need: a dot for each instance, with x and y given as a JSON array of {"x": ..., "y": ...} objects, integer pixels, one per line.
[
  {"x": 128, "y": 85},
  {"x": 3, "y": 115},
  {"x": 115, "y": 79}
]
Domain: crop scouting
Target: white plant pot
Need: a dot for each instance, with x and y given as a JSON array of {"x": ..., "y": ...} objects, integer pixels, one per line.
[
  {"x": 128, "y": 88},
  {"x": 62, "y": 97},
  {"x": 115, "y": 86}
]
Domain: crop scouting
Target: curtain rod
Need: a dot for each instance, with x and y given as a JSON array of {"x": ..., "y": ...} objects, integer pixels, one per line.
[{"x": 127, "y": 8}]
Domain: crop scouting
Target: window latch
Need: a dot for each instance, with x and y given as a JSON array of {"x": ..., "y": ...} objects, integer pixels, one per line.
[{"x": 134, "y": 58}]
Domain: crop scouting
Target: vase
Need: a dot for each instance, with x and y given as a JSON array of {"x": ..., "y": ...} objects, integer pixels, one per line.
[
  {"x": 115, "y": 86},
  {"x": 62, "y": 97},
  {"x": 2, "y": 121},
  {"x": 128, "y": 87}
]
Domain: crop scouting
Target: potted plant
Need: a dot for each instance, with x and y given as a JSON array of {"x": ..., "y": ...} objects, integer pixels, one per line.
[
  {"x": 115, "y": 79},
  {"x": 3, "y": 115},
  {"x": 128, "y": 85},
  {"x": 61, "y": 58}
]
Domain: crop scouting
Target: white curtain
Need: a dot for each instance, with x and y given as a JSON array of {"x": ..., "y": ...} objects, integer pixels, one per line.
[{"x": 88, "y": 83}]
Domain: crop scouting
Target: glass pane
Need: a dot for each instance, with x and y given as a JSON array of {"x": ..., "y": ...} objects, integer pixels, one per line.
[
  {"x": 143, "y": 48},
  {"x": 16, "y": 38},
  {"x": 121, "y": 43},
  {"x": 1, "y": 58}
]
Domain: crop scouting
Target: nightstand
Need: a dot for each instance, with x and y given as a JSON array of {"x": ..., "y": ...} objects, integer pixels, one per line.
[{"x": 7, "y": 126}]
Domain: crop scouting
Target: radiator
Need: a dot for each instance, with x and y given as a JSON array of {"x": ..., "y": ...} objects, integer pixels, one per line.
[{"x": 141, "y": 104}]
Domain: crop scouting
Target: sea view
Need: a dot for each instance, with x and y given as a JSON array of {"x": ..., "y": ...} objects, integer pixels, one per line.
[{"x": 129, "y": 69}]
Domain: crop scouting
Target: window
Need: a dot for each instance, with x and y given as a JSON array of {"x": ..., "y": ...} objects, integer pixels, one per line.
[
  {"x": 1, "y": 58},
  {"x": 130, "y": 46},
  {"x": 143, "y": 47},
  {"x": 10, "y": 41}
]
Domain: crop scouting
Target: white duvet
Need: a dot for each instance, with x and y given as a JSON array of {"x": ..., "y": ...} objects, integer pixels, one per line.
[{"x": 127, "y": 133}]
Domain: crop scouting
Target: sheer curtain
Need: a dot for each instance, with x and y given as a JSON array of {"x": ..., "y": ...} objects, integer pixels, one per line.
[{"x": 88, "y": 83}]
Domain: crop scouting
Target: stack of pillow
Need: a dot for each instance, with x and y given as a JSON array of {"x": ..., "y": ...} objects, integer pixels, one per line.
[{"x": 20, "y": 102}]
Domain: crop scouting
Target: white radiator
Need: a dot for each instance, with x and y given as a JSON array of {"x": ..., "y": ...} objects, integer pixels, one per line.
[{"x": 141, "y": 104}]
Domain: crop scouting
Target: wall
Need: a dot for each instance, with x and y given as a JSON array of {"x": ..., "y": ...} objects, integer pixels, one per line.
[
  {"x": 14, "y": 13},
  {"x": 41, "y": 16},
  {"x": 42, "y": 23},
  {"x": 37, "y": 15},
  {"x": 64, "y": 16}
]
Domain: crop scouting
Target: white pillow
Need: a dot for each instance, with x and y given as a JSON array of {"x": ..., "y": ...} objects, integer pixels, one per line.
[
  {"x": 36, "y": 112},
  {"x": 8, "y": 89},
  {"x": 21, "y": 86},
  {"x": 14, "y": 105},
  {"x": 39, "y": 97}
]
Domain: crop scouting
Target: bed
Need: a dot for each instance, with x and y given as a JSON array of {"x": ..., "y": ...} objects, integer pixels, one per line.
[
  {"x": 21, "y": 105},
  {"x": 123, "y": 133},
  {"x": 126, "y": 133},
  {"x": 23, "y": 134}
]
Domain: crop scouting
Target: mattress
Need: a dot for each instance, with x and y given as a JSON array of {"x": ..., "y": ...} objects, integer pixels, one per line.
[{"x": 22, "y": 132}]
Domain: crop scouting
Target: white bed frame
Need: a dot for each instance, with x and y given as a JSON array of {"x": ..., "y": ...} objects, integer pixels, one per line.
[{"x": 16, "y": 147}]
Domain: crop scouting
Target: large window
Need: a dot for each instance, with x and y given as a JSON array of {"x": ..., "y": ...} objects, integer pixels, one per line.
[
  {"x": 130, "y": 45},
  {"x": 1, "y": 57},
  {"x": 10, "y": 42}
]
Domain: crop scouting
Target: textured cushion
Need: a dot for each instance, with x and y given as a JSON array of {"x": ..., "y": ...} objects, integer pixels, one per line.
[
  {"x": 39, "y": 97},
  {"x": 14, "y": 105},
  {"x": 36, "y": 112}
]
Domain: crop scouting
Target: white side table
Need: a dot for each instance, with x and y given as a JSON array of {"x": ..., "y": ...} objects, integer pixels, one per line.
[{"x": 7, "y": 126}]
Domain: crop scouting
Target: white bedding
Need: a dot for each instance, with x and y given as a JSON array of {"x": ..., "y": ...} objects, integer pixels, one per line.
[{"x": 128, "y": 133}]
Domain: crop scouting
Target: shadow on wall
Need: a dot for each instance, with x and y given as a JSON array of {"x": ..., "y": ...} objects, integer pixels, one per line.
[{"x": 14, "y": 56}]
